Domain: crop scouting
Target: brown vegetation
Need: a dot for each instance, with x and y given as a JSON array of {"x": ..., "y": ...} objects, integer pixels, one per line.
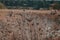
[{"x": 29, "y": 25}]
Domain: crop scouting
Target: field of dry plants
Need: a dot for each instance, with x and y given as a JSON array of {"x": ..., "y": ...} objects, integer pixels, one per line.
[{"x": 29, "y": 25}]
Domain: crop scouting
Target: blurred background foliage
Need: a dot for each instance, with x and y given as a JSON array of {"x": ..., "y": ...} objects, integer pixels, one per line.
[
  {"x": 2, "y": 6},
  {"x": 30, "y": 3}
]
